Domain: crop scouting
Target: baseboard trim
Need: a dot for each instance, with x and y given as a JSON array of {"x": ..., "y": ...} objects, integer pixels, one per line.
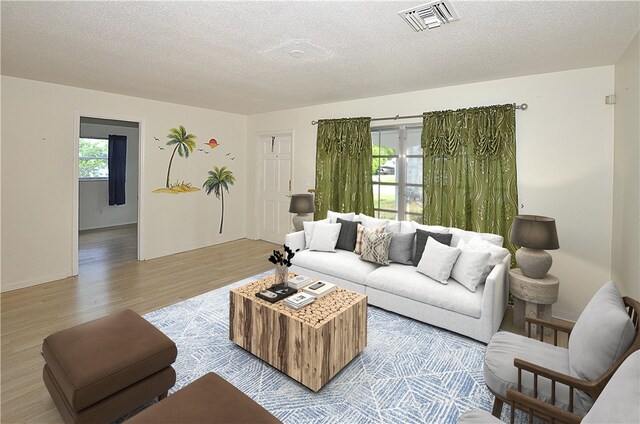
[{"x": 16, "y": 285}]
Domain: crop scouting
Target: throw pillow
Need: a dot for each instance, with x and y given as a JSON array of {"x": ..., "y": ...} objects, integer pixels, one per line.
[
  {"x": 465, "y": 235},
  {"x": 308, "y": 230},
  {"x": 602, "y": 334},
  {"x": 325, "y": 237},
  {"x": 401, "y": 248},
  {"x": 371, "y": 222},
  {"x": 438, "y": 260},
  {"x": 358, "y": 249},
  {"x": 393, "y": 226},
  {"x": 375, "y": 247},
  {"x": 469, "y": 267},
  {"x": 431, "y": 228},
  {"x": 497, "y": 253},
  {"x": 348, "y": 233},
  {"x": 421, "y": 241},
  {"x": 333, "y": 216}
]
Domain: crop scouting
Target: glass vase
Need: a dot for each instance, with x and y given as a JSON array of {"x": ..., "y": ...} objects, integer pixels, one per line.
[{"x": 281, "y": 275}]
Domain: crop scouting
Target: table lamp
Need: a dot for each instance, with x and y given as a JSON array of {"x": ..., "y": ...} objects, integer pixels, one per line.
[
  {"x": 534, "y": 234},
  {"x": 302, "y": 205}
]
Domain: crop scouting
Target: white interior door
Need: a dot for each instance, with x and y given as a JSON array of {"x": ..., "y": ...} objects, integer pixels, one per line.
[{"x": 276, "y": 187}]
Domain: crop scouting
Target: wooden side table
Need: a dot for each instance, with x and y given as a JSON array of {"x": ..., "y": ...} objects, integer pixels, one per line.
[{"x": 533, "y": 297}]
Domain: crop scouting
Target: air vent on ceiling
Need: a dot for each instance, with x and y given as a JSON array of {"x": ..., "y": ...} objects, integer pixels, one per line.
[{"x": 430, "y": 15}]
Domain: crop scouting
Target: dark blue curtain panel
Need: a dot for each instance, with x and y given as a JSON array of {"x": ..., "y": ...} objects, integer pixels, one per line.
[{"x": 117, "y": 168}]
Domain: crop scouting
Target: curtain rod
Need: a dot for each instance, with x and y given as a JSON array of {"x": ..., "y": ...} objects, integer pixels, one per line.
[{"x": 523, "y": 106}]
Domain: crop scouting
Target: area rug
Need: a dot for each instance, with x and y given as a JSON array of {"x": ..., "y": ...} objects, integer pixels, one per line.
[{"x": 410, "y": 372}]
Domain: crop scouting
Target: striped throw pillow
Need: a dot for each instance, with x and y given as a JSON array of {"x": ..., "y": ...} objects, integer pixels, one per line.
[{"x": 359, "y": 235}]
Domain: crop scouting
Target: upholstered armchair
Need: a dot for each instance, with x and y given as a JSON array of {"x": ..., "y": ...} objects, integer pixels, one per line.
[
  {"x": 617, "y": 403},
  {"x": 518, "y": 368}
]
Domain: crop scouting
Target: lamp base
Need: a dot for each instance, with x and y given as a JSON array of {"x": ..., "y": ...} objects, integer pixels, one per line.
[
  {"x": 534, "y": 263},
  {"x": 299, "y": 219}
]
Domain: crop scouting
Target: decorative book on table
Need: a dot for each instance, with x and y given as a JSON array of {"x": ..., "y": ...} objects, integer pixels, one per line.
[
  {"x": 275, "y": 293},
  {"x": 319, "y": 289},
  {"x": 299, "y": 300},
  {"x": 300, "y": 281}
]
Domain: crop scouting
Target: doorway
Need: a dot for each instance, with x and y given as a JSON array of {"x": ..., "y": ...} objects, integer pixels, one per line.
[
  {"x": 276, "y": 167},
  {"x": 100, "y": 229}
]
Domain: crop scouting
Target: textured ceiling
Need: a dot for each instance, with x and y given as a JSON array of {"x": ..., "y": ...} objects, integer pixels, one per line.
[{"x": 234, "y": 56}]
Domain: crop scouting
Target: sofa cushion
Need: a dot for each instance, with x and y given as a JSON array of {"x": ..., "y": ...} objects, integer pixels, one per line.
[
  {"x": 421, "y": 242},
  {"x": 375, "y": 247},
  {"x": 500, "y": 374},
  {"x": 465, "y": 235},
  {"x": 325, "y": 237},
  {"x": 401, "y": 248},
  {"x": 406, "y": 281},
  {"x": 601, "y": 335},
  {"x": 470, "y": 266},
  {"x": 347, "y": 237},
  {"x": 341, "y": 264},
  {"x": 431, "y": 228},
  {"x": 333, "y": 216},
  {"x": 371, "y": 222},
  {"x": 438, "y": 260},
  {"x": 618, "y": 402}
]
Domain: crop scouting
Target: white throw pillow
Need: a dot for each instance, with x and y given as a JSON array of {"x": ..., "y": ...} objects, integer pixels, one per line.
[
  {"x": 308, "y": 230},
  {"x": 325, "y": 237},
  {"x": 371, "y": 222},
  {"x": 333, "y": 216},
  {"x": 497, "y": 254},
  {"x": 431, "y": 228},
  {"x": 469, "y": 267},
  {"x": 393, "y": 227},
  {"x": 465, "y": 235},
  {"x": 438, "y": 260}
]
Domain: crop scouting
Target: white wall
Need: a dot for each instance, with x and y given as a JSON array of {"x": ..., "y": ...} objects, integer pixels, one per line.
[
  {"x": 38, "y": 121},
  {"x": 625, "y": 255},
  {"x": 94, "y": 210},
  {"x": 564, "y": 150}
]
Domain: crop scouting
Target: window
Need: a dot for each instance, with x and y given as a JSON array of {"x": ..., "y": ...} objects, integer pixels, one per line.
[
  {"x": 397, "y": 172},
  {"x": 93, "y": 161}
]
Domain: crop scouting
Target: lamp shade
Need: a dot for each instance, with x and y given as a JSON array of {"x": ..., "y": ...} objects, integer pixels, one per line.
[
  {"x": 302, "y": 203},
  {"x": 534, "y": 232}
]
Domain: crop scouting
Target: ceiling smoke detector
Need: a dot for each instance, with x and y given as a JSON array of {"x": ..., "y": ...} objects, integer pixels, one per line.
[{"x": 430, "y": 15}]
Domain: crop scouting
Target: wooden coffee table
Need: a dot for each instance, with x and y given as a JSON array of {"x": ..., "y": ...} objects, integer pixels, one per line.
[{"x": 312, "y": 344}]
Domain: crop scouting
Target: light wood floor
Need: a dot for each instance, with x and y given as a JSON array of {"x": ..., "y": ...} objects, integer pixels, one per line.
[{"x": 110, "y": 280}]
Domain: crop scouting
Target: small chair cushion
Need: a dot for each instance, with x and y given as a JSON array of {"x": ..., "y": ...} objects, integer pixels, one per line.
[
  {"x": 602, "y": 334},
  {"x": 209, "y": 399},
  {"x": 94, "y": 360},
  {"x": 500, "y": 374},
  {"x": 618, "y": 402},
  {"x": 478, "y": 417}
]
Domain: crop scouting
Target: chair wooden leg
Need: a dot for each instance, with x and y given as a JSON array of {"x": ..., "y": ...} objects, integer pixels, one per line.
[
  {"x": 162, "y": 396},
  {"x": 497, "y": 407}
]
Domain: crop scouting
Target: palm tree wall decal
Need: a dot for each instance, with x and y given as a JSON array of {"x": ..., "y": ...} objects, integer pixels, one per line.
[
  {"x": 184, "y": 145},
  {"x": 219, "y": 180}
]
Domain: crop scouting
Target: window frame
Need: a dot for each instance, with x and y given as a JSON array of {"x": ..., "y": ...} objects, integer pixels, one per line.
[
  {"x": 81, "y": 158},
  {"x": 400, "y": 172}
]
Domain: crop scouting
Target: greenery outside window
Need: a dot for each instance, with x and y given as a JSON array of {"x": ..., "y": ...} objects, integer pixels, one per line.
[
  {"x": 93, "y": 160},
  {"x": 397, "y": 172}
]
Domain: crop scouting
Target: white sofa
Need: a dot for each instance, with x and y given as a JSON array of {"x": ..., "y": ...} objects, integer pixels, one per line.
[{"x": 402, "y": 289}]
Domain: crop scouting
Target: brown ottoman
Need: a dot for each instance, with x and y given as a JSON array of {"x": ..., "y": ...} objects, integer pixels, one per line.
[
  {"x": 103, "y": 369},
  {"x": 209, "y": 399}
]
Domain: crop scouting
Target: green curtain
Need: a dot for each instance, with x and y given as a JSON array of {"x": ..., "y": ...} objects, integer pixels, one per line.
[
  {"x": 469, "y": 178},
  {"x": 343, "y": 166}
]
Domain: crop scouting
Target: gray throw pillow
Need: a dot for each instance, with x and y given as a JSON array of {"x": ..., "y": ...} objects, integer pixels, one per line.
[
  {"x": 347, "y": 237},
  {"x": 602, "y": 334},
  {"x": 421, "y": 241},
  {"x": 401, "y": 248}
]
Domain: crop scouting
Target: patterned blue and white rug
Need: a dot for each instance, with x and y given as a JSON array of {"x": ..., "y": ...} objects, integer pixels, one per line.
[{"x": 409, "y": 372}]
